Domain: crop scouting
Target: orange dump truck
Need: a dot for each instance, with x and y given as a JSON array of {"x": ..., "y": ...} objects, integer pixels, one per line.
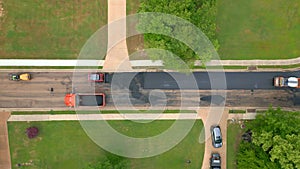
[{"x": 85, "y": 100}]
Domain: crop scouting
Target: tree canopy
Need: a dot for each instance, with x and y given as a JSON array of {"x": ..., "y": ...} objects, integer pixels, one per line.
[
  {"x": 201, "y": 13},
  {"x": 110, "y": 162},
  {"x": 276, "y": 140}
]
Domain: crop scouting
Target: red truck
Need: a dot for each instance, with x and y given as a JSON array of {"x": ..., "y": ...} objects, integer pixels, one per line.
[
  {"x": 85, "y": 100},
  {"x": 99, "y": 77}
]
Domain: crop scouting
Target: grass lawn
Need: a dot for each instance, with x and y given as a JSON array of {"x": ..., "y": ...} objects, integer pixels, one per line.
[
  {"x": 234, "y": 133},
  {"x": 258, "y": 29},
  {"x": 188, "y": 149},
  {"x": 237, "y": 111},
  {"x": 62, "y": 145},
  {"x": 49, "y": 29}
]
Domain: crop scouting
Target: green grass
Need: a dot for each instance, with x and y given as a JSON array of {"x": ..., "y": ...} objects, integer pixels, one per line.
[
  {"x": 281, "y": 66},
  {"x": 234, "y": 133},
  {"x": 49, "y": 29},
  {"x": 237, "y": 111},
  {"x": 59, "y": 145},
  {"x": 63, "y": 145},
  {"x": 188, "y": 149},
  {"x": 218, "y": 67},
  {"x": 132, "y": 6},
  {"x": 42, "y": 112},
  {"x": 258, "y": 29}
]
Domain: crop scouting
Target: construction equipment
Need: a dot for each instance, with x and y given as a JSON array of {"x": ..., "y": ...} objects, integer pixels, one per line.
[
  {"x": 99, "y": 77},
  {"x": 292, "y": 82},
  {"x": 19, "y": 76},
  {"x": 86, "y": 100}
]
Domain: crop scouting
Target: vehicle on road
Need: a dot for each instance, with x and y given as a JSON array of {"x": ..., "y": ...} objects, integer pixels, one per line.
[
  {"x": 19, "y": 76},
  {"x": 86, "y": 100},
  {"x": 98, "y": 77},
  {"x": 215, "y": 161},
  {"x": 216, "y": 136},
  {"x": 293, "y": 82}
]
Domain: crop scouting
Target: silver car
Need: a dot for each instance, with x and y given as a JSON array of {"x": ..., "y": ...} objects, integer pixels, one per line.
[{"x": 216, "y": 136}]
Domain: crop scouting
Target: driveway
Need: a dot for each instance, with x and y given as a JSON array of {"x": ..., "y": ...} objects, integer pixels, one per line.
[{"x": 213, "y": 119}]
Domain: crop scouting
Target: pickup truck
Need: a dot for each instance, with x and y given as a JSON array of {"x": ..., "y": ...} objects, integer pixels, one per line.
[
  {"x": 293, "y": 82},
  {"x": 85, "y": 100},
  {"x": 99, "y": 77},
  {"x": 19, "y": 76}
]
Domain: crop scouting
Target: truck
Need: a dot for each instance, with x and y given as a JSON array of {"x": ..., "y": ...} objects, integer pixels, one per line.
[
  {"x": 19, "y": 76},
  {"x": 99, "y": 77},
  {"x": 85, "y": 100},
  {"x": 292, "y": 82}
]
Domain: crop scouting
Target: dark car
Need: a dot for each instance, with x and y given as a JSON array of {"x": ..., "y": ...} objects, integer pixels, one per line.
[
  {"x": 215, "y": 161},
  {"x": 216, "y": 136}
]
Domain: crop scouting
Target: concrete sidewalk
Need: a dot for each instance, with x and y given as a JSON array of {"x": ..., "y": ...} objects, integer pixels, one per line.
[
  {"x": 141, "y": 63},
  {"x": 5, "y": 161},
  {"x": 134, "y": 116},
  {"x": 66, "y": 117},
  {"x": 117, "y": 58}
]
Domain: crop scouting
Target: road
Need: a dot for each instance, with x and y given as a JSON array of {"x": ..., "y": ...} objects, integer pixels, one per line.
[
  {"x": 139, "y": 92},
  {"x": 234, "y": 80}
]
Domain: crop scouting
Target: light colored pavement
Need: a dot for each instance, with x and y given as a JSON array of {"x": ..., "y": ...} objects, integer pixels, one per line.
[
  {"x": 44, "y": 62},
  {"x": 245, "y": 116},
  {"x": 142, "y": 116},
  {"x": 118, "y": 60},
  {"x": 5, "y": 162},
  {"x": 209, "y": 119}
]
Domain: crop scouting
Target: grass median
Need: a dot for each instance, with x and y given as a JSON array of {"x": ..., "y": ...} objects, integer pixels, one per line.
[{"x": 62, "y": 145}]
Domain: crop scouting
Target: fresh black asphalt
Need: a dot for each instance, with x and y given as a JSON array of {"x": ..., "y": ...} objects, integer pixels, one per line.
[{"x": 205, "y": 80}]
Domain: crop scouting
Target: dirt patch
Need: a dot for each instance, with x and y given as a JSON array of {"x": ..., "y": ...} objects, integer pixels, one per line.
[
  {"x": 136, "y": 44},
  {"x": 2, "y": 12}
]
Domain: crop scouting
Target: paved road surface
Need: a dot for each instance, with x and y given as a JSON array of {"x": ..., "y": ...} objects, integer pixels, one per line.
[
  {"x": 37, "y": 92},
  {"x": 234, "y": 80}
]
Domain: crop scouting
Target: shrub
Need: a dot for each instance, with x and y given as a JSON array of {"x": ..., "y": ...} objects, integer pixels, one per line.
[{"x": 32, "y": 132}]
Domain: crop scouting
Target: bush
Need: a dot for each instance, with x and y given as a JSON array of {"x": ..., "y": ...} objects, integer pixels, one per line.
[{"x": 32, "y": 132}]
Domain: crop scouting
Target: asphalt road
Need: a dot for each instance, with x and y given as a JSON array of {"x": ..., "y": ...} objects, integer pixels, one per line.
[
  {"x": 214, "y": 80},
  {"x": 47, "y": 89}
]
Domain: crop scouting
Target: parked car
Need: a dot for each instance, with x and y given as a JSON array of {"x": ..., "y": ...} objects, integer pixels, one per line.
[
  {"x": 19, "y": 76},
  {"x": 216, "y": 136},
  {"x": 215, "y": 161}
]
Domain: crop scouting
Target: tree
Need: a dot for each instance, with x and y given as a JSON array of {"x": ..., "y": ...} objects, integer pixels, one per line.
[
  {"x": 32, "y": 132},
  {"x": 200, "y": 13},
  {"x": 110, "y": 162},
  {"x": 253, "y": 157},
  {"x": 276, "y": 133}
]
